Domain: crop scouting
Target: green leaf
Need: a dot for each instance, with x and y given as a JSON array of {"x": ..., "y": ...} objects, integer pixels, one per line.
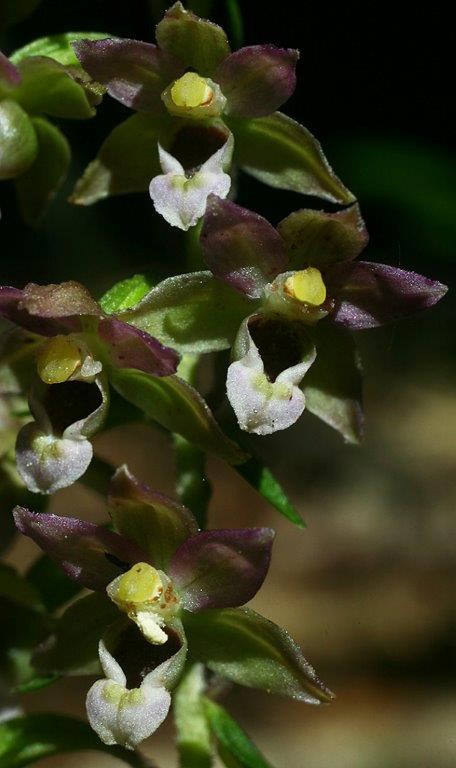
[
  {"x": 57, "y": 47},
  {"x": 23, "y": 628},
  {"x": 333, "y": 385},
  {"x": 282, "y": 153},
  {"x": 12, "y": 11},
  {"x": 47, "y": 87},
  {"x": 198, "y": 43},
  {"x": 127, "y": 160},
  {"x": 192, "y": 732},
  {"x": 53, "y": 586},
  {"x": 178, "y": 407},
  {"x": 232, "y": 739},
  {"x": 36, "y": 683},
  {"x": 262, "y": 479},
  {"x": 38, "y": 185},
  {"x": 250, "y": 650},
  {"x": 25, "y": 740},
  {"x": 192, "y": 313},
  {"x": 125, "y": 295},
  {"x": 72, "y": 649},
  {"x": 14, "y": 587}
]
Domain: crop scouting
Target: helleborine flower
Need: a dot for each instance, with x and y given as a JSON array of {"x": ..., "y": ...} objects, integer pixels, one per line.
[
  {"x": 73, "y": 347},
  {"x": 125, "y": 716},
  {"x": 325, "y": 281},
  {"x": 181, "y": 588},
  {"x": 263, "y": 401},
  {"x": 181, "y": 197},
  {"x": 192, "y": 80}
]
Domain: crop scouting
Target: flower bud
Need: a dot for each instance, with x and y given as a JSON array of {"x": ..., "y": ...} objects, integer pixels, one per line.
[{"x": 18, "y": 142}]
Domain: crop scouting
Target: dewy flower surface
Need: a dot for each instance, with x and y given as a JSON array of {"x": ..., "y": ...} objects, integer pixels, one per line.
[{"x": 169, "y": 587}]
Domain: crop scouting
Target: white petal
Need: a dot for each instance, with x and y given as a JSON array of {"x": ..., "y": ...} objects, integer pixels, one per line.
[
  {"x": 137, "y": 721},
  {"x": 182, "y": 201},
  {"x": 126, "y": 717},
  {"x": 111, "y": 668},
  {"x": 261, "y": 406},
  {"x": 47, "y": 463},
  {"x": 220, "y": 159},
  {"x": 168, "y": 163}
]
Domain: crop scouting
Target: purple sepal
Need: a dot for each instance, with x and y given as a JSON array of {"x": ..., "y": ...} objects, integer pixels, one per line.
[
  {"x": 134, "y": 72},
  {"x": 221, "y": 568},
  {"x": 369, "y": 295},
  {"x": 156, "y": 522},
  {"x": 258, "y": 79},
  {"x": 48, "y": 309},
  {"x": 89, "y": 554},
  {"x": 9, "y": 74},
  {"x": 241, "y": 247},
  {"x": 129, "y": 347}
]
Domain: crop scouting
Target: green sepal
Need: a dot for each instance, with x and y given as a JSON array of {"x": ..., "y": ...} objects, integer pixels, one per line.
[
  {"x": 47, "y": 87},
  {"x": 127, "y": 160},
  {"x": 58, "y": 47},
  {"x": 13, "y": 11},
  {"x": 72, "y": 649},
  {"x": 235, "y": 748},
  {"x": 125, "y": 295},
  {"x": 266, "y": 484},
  {"x": 265, "y": 657},
  {"x": 333, "y": 385},
  {"x": 25, "y": 740},
  {"x": 178, "y": 407},
  {"x": 319, "y": 239},
  {"x": 53, "y": 586},
  {"x": 18, "y": 140},
  {"x": 198, "y": 43},
  {"x": 192, "y": 313},
  {"x": 193, "y": 736},
  {"x": 37, "y": 186},
  {"x": 282, "y": 153}
]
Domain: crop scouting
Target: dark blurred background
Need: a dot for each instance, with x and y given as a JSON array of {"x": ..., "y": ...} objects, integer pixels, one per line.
[{"x": 368, "y": 587}]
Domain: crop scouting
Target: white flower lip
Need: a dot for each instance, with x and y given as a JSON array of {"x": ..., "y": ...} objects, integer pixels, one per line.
[{"x": 182, "y": 200}]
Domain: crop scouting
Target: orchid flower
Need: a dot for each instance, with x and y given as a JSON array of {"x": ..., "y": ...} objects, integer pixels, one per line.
[
  {"x": 168, "y": 581},
  {"x": 181, "y": 197},
  {"x": 190, "y": 94},
  {"x": 75, "y": 347}
]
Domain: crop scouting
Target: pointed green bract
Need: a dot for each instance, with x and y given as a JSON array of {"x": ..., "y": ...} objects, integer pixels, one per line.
[
  {"x": 198, "y": 43},
  {"x": 53, "y": 586},
  {"x": 192, "y": 730},
  {"x": 333, "y": 386},
  {"x": 192, "y": 313},
  {"x": 179, "y": 408},
  {"x": 38, "y": 185},
  {"x": 266, "y": 657},
  {"x": 18, "y": 589},
  {"x": 262, "y": 479},
  {"x": 125, "y": 295},
  {"x": 57, "y": 47},
  {"x": 282, "y": 153},
  {"x": 233, "y": 742},
  {"x": 126, "y": 162}
]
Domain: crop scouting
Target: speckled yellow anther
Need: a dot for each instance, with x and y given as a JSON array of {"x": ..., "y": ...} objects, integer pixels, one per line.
[
  {"x": 307, "y": 285},
  {"x": 57, "y": 360},
  {"x": 140, "y": 584},
  {"x": 191, "y": 90}
]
